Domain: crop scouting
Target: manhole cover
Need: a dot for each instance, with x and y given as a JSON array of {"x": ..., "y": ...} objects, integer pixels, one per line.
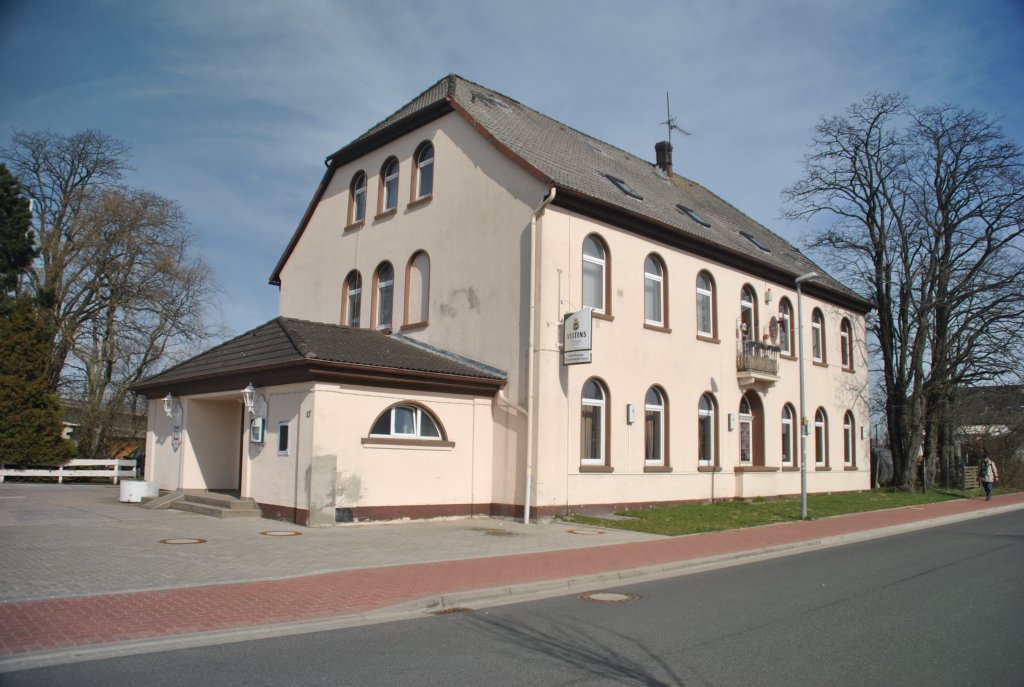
[
  {"x": 608, "y": 597},
  {"x": 183, "y": 540},
  {"x": 281, "y": 533},
  {"x": 588, "y": 532}
]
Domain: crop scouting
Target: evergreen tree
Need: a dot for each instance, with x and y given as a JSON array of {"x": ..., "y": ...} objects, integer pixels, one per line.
[
  {"x": 16, "y": 240},
  {"x": 30, "y": 433}
]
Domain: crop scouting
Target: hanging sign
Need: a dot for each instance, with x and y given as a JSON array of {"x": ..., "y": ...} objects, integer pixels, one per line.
[{"x": 577, "y": 337}]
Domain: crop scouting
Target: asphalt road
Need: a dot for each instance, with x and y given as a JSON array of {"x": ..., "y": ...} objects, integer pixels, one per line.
[{"x": 941, "y": 606}]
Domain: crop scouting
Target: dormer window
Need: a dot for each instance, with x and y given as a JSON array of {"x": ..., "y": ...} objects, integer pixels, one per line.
[
  {"x": 692, "y": 214},
  {"x": 624, "y": 187}
]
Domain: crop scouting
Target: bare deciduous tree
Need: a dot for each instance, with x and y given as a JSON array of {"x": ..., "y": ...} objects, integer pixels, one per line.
[
  {"x": 925, "y": 207},
  {"x": 121, "y": 289}
]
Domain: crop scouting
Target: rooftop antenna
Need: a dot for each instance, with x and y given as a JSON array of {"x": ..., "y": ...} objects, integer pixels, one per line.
[{"x": 671, "y": 121}]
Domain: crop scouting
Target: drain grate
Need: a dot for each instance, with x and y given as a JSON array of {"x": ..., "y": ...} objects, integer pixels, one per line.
[{"x": 608, "y": 597}]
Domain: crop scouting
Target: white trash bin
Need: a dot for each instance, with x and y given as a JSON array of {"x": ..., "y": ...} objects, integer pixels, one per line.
[{"x": 132, "y": 490}]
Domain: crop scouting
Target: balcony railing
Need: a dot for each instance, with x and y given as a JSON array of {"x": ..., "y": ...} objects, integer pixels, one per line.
[{"x": 756, "y": 357}]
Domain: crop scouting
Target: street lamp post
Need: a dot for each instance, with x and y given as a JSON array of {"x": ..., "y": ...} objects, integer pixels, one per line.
[{"x": 803, "y": 396}]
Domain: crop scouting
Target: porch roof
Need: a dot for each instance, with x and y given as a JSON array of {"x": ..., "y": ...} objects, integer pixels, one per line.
[{"x": 286, "y": 350}]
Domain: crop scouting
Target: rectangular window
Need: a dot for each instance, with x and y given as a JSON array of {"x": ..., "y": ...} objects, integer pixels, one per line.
[
  {"x": 704, "y": 323},
  {"x": 591, "y": 439},
  {"x": 283, "y": 437}
]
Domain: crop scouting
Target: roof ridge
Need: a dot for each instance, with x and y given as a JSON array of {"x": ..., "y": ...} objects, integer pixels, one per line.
[
  {"x": 454, "y": 357},
  {"x": 302, "y": 347}
]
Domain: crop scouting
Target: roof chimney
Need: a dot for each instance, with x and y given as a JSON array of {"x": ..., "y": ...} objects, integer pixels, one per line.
[{"x": 663, "y": 155}]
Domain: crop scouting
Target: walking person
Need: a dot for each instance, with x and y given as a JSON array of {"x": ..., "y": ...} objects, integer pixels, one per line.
[{"x": 988, "y": 474}]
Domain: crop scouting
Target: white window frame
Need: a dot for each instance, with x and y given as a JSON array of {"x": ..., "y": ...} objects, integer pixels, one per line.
[
  {"x": 353, "y": 299},
  {"x": 817, "y": 338},
  {"x": 658, "y": 410},
  {"x": 655, "y": 281},
  {"x": 424, "y": 167},
  {"x": 845, "y": 348},
  {"x": 389, "y": 201},
  {"x": 286, "y": 426},
  {"x": 748, "y": 314},
  {"x": 708, "y": 415},
  {"x": 358, "y": 191},
  {"x": 746, "y": 430},
  {"x": 602, "y": 265},
  {"x": 384, "y": 286},
  {"x": 820, "y": 437},
  {"x": 849, "y": 425},
  {"x": 785, "y": 327},
  {"x": 787, "y": 435},
  {"x": 602, "y": 416},
  {"x": 417, "y": 415},
  {"x": 708, "y": 295}
]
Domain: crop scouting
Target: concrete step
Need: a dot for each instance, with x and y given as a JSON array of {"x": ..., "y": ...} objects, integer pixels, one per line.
[
  {"x": 217, "y": 511},
  {"x": 221, "y": 501}
]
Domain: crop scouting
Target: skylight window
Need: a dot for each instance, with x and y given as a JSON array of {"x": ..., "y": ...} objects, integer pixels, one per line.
[
  {"x": 490, "y": 100},
  {"x": 624, "y": 187},
  {"x": 754, "y": 240},
  {"x": 692, "y": 214}
]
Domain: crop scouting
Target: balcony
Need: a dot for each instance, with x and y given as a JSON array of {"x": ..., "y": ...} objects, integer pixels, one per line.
[{"x": 757, "y": 365}]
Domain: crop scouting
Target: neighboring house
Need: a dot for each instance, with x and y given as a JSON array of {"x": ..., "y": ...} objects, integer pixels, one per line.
[
  {"x": 127, "y": 432},
  {"x": 990, "y": 421},
  {"x": 416, "y": 369}
]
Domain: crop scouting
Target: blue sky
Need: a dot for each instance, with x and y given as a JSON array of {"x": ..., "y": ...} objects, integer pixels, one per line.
[{"x": 231, "y": 106}]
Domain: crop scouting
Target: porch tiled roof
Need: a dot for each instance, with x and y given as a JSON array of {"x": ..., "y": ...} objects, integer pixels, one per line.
[{"x": 284, "y": 341}]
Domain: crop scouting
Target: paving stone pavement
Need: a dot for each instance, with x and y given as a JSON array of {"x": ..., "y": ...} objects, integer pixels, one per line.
[{"x": 84, "y": 576}]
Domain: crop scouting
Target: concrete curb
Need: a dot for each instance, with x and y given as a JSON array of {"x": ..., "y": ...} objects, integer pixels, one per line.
[{"x": 478, "y": 598}]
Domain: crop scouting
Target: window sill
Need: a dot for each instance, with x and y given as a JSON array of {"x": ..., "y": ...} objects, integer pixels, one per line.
[
  {"x": 355, "y": 225},
  {"x": 755, "y": 468},
  {"x": 414, "y": 325},
  {"x": 709, "y": 339},
  {"x": 791, "y": 468},
  {"x": 422, "y": 443},
  {"x": 850, "y": 468},
  {"x": 787, "y": 356},
  {"x": 820, "y": 363},
  {"x": 597, "y": 468},
  {"x": 848, "y": 369},
  {"x": 822, "y": 468},
  {"x": 658, "y": 468},
  {"x": 416, "y": 202},
  {"x": 657, "y": 328},
  {"x": 386, "y": 214},
  {"x": 383, "y": 330},
  {"x": 709, "y": 468},
  {"x": 603, "y": 316}
]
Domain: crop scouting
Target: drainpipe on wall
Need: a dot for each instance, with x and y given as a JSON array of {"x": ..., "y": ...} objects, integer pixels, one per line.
[{"x": 532, "y": 347}]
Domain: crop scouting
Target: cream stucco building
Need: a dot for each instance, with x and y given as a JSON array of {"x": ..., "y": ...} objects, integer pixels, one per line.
[{"x": 417, "y": 366}]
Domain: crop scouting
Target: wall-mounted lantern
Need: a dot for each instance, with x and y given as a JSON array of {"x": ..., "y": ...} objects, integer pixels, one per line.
[
  {"x": 169, "y": 404},
  {"x": 249, "y": 397}
]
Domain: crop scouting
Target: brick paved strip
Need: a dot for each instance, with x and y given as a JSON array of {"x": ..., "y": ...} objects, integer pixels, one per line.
[{"x": 90, "y": 620}]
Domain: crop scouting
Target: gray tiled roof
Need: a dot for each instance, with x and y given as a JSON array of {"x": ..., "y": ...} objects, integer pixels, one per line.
[
  {"x": 285, "y": 341},
  {"x": 573, "y": 161}
]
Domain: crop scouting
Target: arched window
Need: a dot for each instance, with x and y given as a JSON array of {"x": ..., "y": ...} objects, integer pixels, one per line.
[
  {"x": 417, "y": 283},
  {"x": 389, "y": 185},
  {"x": 384, "y": 288},
  {"x": 788, "y": 435},
  {"x": 595, "y": 275},
  {"x": 407, "y": 421},
  {"x": 351, "y": 299},
  {"x": 785, "y": 327},
  {"x": 593, "y": 424},
  {"x": 706, "y": 313},
  {"x": 357, "y": 198},
  {"x": 655, "y": 413},
  {"x": 748, "y": 314},
  {"x": 849, "y": 444},
  {"x": 818, "y": 337},
  {"x": 707, "y": 431},
  {"x": 846, "y": 344},
  {"x": 654, "y": 292},
  {"x": 423, "y": 184},
  {"x": 746, "y": 432},
  {"x": 821, "y": 438}
]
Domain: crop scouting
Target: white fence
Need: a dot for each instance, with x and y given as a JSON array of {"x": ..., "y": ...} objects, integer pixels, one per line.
[{"x": 80, "y": 467}]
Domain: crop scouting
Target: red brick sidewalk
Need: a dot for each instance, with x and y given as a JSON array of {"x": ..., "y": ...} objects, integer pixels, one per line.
[{"x": 80, "y": 621}]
